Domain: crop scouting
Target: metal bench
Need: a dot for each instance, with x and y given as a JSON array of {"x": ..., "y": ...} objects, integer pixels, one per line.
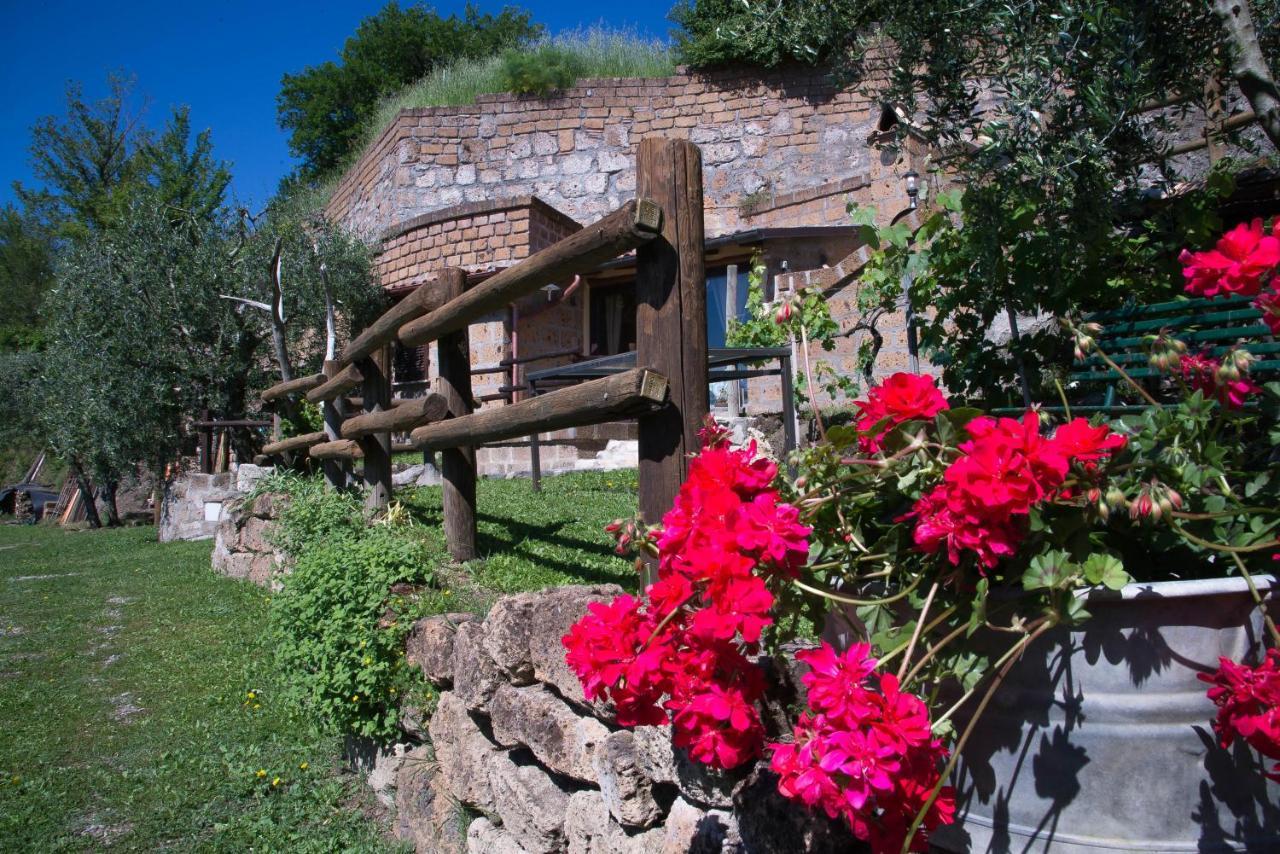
[{"x": 1212, "y": 326}]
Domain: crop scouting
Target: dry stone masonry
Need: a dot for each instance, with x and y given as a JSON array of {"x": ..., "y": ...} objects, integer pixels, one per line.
[
  {"x": 242, "y": 543},
  {"x": 514, "y": 759}
]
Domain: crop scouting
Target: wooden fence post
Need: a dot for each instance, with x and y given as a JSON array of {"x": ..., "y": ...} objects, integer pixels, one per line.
[
  {"x": 336, "y": 472},
  {"x": 376, "y": 391},
  {"x": 457, "y": 465},
  {"x": 671, "y": 318}
]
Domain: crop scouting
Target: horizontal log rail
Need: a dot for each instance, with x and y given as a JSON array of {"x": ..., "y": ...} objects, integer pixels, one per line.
[
  {"x": 629, "y": 226},
  {"x": 342, "y": 382},
  {"x": 629, "y": 393},
  {"x": 340, "y": 449},
  {"x": 426, "y": 298},
  {"x": 302, "y": 385},
  {"x": 293, "y": 443},
  {"x": 411, "y": 414}
]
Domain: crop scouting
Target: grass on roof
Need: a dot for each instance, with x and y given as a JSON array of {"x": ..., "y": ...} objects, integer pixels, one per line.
[{"x": 597, "y": 52}]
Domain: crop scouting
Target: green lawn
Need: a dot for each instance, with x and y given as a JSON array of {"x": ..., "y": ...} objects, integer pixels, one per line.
[{"x": 126, "y": 668}]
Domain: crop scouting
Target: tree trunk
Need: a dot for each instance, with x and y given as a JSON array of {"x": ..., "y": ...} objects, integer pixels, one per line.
[
  {"x": 1249, "y": 66},
  {"x": 86, "y": 495},
  {"x": 109, "y": 499}
]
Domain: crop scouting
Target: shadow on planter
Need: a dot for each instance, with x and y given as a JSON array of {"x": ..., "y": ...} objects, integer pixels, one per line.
[{"x": 1100, "y": 738}]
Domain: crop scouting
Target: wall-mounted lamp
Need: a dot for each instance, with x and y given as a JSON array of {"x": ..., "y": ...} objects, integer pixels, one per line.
[
  {"x": 913, "y": 188},
  {"x": 551, "y": 291}
]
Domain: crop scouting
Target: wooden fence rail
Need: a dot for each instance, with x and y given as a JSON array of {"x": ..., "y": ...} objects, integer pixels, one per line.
[{"x": 667, "y": 390}]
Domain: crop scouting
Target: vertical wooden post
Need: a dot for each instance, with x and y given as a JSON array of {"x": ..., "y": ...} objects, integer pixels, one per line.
[
  {"x": 734, "y": 396},
  {"x": 457, "y": 465},
  {"x": 671, "y": 317},
  {"x": 376, "y": 391},
  {"x": 206, "y": 444},
  {"x": 335, "y": 471}
]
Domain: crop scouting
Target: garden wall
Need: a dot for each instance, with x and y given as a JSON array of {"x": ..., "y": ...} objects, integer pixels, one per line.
[{"x": 513, "y": 760}]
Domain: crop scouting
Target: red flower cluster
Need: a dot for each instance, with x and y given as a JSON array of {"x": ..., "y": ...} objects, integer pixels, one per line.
[
  {"x": 1237, "y": 266},
  {"x": 865, "y": 752},
  {"x": 1205, "y": 373},
  {"x": 1005, "y": 470},
  {"x": 1248, "y": 700},
  {"x": 684, "y": 652},
  {"x": 902, "y": 397}
]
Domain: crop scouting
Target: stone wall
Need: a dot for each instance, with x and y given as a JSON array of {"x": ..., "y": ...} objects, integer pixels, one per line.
[
  {"x": 514, "y": 760},
  {"x": 779, "y": 148},
  {"x": 195, "y": 504},
  {"x": 242, "y": 546}
]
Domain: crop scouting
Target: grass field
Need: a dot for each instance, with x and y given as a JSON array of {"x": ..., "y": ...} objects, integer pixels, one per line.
[{"x": 127, "y": 669}]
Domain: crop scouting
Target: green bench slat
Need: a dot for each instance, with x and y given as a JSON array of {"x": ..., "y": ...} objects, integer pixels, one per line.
[
  {"x": 1179, "y": 306},
  {"x": 1256, "y": 369},
  {"x": 1238, "y": 316},
  {"x": 1132, "y": 358},
  {"x": 1260, "y": 330}
]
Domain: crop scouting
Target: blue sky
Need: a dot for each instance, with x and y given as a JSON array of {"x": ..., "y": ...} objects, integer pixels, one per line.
[{"x": 224, "y": 59}]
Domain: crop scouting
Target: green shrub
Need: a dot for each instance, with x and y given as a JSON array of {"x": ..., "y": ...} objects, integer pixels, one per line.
[
  {"x": 338, "y": 633},
  {"x": 545, "y": 70}
]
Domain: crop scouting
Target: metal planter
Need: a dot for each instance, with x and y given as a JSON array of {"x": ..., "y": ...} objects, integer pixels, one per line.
[{"x": 1100, "y": 738}]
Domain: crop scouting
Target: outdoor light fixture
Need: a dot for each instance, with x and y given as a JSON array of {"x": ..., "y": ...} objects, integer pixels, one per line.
[
  {"x": 913, "y": 187},
  {"x": 551, "y": 291}
]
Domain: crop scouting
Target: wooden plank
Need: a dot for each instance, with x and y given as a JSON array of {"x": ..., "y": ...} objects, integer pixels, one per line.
[
  {"x": 302, "y": 385},
  {"x": 607, "y": 399},
  {"x": 629, "y": 226},
  {"x": 337, "y": 385},
  {"x": 426, "y": 298},
  {"x": 293, "y": 443},
  {"x": 671, "y": 317},
  {"x": 411, "y": 414},
  {"x": 458, "y": 464},
  {"x": 339, "y": 450},
  {"x": 376, "y": 370}
]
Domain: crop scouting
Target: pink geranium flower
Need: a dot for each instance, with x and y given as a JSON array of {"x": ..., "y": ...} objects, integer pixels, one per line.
[{"x": 1235, "y": 266}]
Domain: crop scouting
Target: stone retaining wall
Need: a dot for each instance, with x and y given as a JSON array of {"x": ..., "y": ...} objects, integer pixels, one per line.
[
  {"x": 514, "y": 760},
  {"x": 242, "y": 546}
]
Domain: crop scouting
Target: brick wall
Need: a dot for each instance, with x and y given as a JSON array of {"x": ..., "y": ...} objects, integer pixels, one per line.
[{"x": 779, "y": 148}]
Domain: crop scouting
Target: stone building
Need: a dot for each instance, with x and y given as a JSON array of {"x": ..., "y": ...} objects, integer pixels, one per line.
[{"x": 483, "y": 185}]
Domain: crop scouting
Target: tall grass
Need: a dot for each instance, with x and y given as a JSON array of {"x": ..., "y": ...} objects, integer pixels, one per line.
[{"x": 596, "y": 52}]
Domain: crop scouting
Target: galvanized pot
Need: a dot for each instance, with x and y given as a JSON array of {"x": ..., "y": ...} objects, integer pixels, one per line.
[{"x": 1100, "y": 739}]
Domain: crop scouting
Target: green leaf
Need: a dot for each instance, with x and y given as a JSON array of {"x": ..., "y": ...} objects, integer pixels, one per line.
[{"x": 1107, "y": 570}]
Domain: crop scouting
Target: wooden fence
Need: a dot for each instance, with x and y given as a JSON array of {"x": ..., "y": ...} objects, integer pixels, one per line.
[{"x": 666, "y": 391}]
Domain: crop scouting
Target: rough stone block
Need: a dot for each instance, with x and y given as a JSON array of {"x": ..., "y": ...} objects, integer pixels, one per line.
[
  {"x": 531, "y": 805},
  {"x": 476, "y": 677},
  {"x": 506, "y": 633},
  {"x": 424, "y": 814},
  {"x": 429, "y": 646},
  {"x": 559, "y": 737},
  {"x": 254, "y": 535},
  {"x": 627, "y": 790},
  {"x": 559, "y": 609},
  {"x": 660, "y": 761},
  {"x": 771, "y": 824},
  {"x": 485, "y": 837},
  {"x": 462, "y": 751}
]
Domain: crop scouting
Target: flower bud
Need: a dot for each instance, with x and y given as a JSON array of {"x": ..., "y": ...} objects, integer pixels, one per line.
[
  {"x": 1227, "y": 372},
  {"x": 801, "y": 482},
  {"x": 614, "y": 527},
  {"x": 1175, "y": 498},
  {"x": 1116, "y": 499},
  {"x": 1104, "y": 510},
  {"x": 1241, "y": 359}
]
